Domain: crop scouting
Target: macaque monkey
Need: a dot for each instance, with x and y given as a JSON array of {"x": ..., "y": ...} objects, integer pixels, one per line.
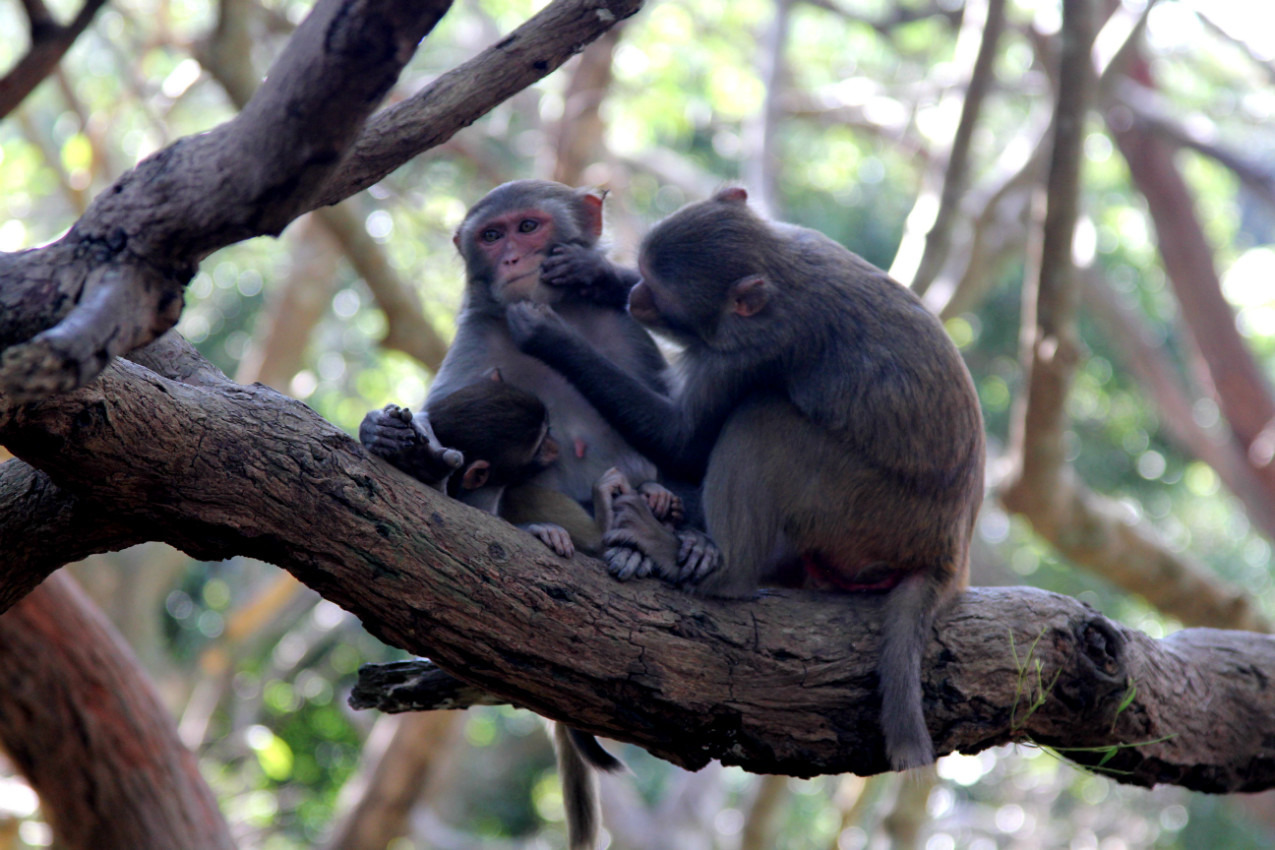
[
  {"x": 503, "y": 432},
  {"x": 536, "y": 242},
  {"x": 829, "y": 417}
]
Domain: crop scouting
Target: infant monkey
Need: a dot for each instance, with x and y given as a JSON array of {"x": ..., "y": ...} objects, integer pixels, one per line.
[{"x": 505, "y": 437}]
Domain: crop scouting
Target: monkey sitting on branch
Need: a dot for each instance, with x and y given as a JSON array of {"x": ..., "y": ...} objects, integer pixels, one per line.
[
  {"x": 535, "y": 241},
  {"x": 831, "y": 422}
]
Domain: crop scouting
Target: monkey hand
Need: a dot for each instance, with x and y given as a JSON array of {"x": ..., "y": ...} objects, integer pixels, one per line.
[
  {"x": 571, "y": 265},
  {"x": 535, "y": 326},
  {"x": 639, "y": 545},
  {"x": 408, "y": 443},
  {"x": 665, "y": 504},
  {"x": 554, "y": 536},
  {"x": 610, "y": 484},
  {"x": 697, "y": 557}
]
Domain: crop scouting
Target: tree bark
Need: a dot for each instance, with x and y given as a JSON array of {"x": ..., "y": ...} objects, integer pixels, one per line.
[
  {"x": 90, "y": 734},
  {"x": 781, "y": 684},
  {"x": 115, "y": 281}
]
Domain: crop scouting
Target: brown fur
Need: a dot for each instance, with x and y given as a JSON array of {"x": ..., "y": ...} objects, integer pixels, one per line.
[{"x": 831, "y": 420}]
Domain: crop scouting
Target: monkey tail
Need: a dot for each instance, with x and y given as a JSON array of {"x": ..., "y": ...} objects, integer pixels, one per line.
[
  {"x": 579, "y": 753},
  {"x": 593, "y": 753},
  {"x": 909, "y": 614}
]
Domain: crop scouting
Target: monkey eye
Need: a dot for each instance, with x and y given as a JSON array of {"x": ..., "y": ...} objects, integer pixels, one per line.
[
  {"x": 491, "y": 234},
  {"x": 527, "y": 225}
]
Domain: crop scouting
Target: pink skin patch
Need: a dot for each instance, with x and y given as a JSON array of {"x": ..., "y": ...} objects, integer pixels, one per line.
[
  {"x": 818, "y": 569},
  {"x": 580, "y": 447}
]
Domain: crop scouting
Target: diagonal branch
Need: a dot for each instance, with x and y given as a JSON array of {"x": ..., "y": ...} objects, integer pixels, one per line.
[
  {"x": 49, "y": 43},
  {"x": 783, "y": 683},
  {"x": 1241, "y": 389},
  {"x": 285, "y": 154},
  {"x": 919, "y": 264},
  {"x": 464, "y": 94}
]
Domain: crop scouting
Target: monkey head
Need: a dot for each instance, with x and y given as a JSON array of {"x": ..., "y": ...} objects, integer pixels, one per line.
[
  {"x": 502, "y": 431},
  {"x": 706, "y": 274},
  {"x": 506, "y": 235}
]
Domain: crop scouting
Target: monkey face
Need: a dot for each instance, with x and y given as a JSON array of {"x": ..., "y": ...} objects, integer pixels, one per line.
[{"x": 513, "y": 245}]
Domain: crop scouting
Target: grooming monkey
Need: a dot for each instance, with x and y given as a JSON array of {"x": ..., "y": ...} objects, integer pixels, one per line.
[
  {"x": 535, "y": 241},
  {"x": 830, "y": 419}
]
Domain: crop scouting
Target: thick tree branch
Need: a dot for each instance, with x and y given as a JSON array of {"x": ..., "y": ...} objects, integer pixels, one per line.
[
  {"x": 123, "y": 265},
  {"x": 226, "y": 54},
  {"x": 115, "y": 281},
  {"x": 82, "y": 722},
  {"x": 784, "y": 683},
  {"x": 43, "y": 527}
]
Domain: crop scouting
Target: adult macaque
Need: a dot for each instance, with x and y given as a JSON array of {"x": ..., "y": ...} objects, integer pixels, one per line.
[
  {"x": 832, "y": 423},
  {"x": 535, "y": 241}
]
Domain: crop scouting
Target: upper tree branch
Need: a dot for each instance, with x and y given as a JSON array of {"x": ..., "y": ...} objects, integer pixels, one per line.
[
  {"x": 784, "y": 683},
  {"x": 287, "y": 152},
  {"x": 926, "y": 260},
  {"x": 49, "y": 43}
]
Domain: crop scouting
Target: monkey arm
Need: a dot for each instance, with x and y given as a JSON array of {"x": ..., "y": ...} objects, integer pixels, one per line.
[
  {"x": 408, "y": 443},
  {"x": 588, "y": 275},
  {"x": 654, "y": 424}
]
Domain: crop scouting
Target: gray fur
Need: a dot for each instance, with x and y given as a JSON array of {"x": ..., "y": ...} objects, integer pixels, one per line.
[
  {"x": 579, "y": 792},
  {"x": 831, "y": 420}
]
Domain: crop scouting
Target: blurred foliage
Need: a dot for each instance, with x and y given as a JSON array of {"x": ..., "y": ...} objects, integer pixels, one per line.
[{"x": 279, "y": 741}]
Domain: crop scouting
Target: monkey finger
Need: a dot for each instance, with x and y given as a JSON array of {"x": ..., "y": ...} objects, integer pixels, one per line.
[
  {"x": 658, "y": 498},
  {"x": 623, "y": 562},
  {"x": 614, "y": 482},
  {"x": 698, "y": 557},
  {"x": 646, "y": 568},
  {"x": 555, "y": 537}
]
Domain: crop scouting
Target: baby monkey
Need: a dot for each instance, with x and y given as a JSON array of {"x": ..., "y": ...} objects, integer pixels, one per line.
[{"x": 503, "y": 433}]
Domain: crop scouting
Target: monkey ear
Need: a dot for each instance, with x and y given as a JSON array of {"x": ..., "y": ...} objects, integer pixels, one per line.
[
  {"x": 475, "y": 475},
  {"x": 733, "y": 195},
  {"x": 748, "y": 296},
  {"x": 456, "y": 239},
  {"x": 493, "y": 374},
  {"x": 591, "y": 201}
]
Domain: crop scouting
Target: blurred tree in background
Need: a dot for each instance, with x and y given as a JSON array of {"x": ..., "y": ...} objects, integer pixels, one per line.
[{"x": 917, "y": 134}]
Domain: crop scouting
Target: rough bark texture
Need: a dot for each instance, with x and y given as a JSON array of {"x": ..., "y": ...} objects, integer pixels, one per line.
[
  {"x": 43, "y": 527},
  {"x": 91, "y": 735},
  {"x": 783, "y": 684},
  {"x": 115, "y": 281}
]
